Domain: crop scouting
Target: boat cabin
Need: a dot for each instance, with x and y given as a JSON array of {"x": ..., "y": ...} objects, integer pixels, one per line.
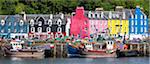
[
  {"x": 16, "y": 45},
  {"x": 89, "y": 46},
  {"x": 110, "y": 44}
]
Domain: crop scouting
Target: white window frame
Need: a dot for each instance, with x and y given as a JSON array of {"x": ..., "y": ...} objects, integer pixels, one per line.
[
  {"x": 135, "y": 16},
  {"x": 132, "y": 22},
  {"x": 2, "y": 31},
  {"x": 141, "y": 29},
  {"x": 39, "y": 23},
  {"x": 2, "y": 22},
  {"x": 21, "y": 23},
  {"x": 132, "y": 29},
  {"x": 145, "y": 30},
  {"x": 48, "y": 29},
  {"x": 97, "y": 15},
  {"x": 102, "y": 14},
  {"x": 32, "y": 22},
  {"x": 9, "y": 30},
  {"x": 141, "y": 22},
  {"x": 145, "y": 22},
  {"x": 59, "y": 22},
  {"x": 135, "y": 21},
  {"x": 39, "y": 29},
  {"x": 136, "y": 30},
  {"x": 93, "y": 15},
  {"x": 32, "y": 29},
  {"x": 141, "y": 16},
  {"x": 59, "y": 29},
  {"x": 50, "y": 22},
  {"x": 89, "y": 14},
  {"x": 21, "y": 30}
]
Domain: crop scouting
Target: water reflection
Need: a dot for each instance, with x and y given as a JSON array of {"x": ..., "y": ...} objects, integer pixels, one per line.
[{"x": 126, "y": 60}]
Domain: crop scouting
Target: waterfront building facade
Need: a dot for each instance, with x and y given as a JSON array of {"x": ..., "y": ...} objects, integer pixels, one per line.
[
  {"x": 118, "y": 23},
  {"x": 13, "y": 26},
  {"x": 47, "y": 26},
  {"x": 138, "y": 24},
  {"x": 79, "y": 24},
  {"x": 97, "y": 22}
]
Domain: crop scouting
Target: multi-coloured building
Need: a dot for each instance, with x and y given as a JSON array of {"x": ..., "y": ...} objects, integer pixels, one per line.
[
  {"x": 138, "y": 24},
  {"x": 97, "y": 22},
  {"x": 13, "y": 26},
  {"x": 118, "y": 23},
  {"x": 47, "y": 26},
  {"x": 79, "y": 26}
]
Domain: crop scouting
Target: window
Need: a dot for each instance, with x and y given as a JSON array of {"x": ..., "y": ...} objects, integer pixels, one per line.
[
  {"x": 2, "y": 22},
  {"x": 136, "y": 30},
  {"x": 145, "y": 30},
  {"x": 15, "y": 30},
  {"x": 141, "y": 29},
  {"x": 56, "y": 35},
  {"x": 132, "y": 17},
  {"x": 141, "y": 22},
  {"x": 21, "y": 22},
  {"x": 50, "y": 22},
  {"x": 141, "y": 16},
  {"x": 59, "y": 29},
  {"x": 94, "y": 15},
  {"x": 48, "y": 29},
  {"x": 135, "y": 22},
  {"x": 145, "y": 17},
  {"x": 14, "y": 24},
  {"x": 40, "y": 23},
  {"x": 59, "y": 22},
  {"x": 89, "y": 14},
  {"x": 135, "y": 16},
  {"x": 40, "y": 29},
  {"x": 21, "y": 30},
  {"x": 145, "y": 22},
  {"x": 132, "y": 29},
  {"x": 110, "y": 15},
  {"x": 102, "y": 14},
  {"x": 132, "y": 22},
  {"x": 32, "y": 22},
  {"x": 2, "y": 31},
  {"x": 32, "y": 29},
  {"x": 9, "y": 30}
]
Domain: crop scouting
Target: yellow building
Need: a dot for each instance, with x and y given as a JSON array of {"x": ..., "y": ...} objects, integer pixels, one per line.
[{"x": 118, "y": 27}]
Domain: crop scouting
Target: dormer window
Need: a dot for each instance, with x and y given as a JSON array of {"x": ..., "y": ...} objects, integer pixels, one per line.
[
  {"x": 21, "y": 23},
  {"x": 93, "y": 15},
  {"x": 110, "y": 15},
  {"x": 90, "y": 14},
  {"x": 32, "y": 22},
  {"x": 40, "y": 23},
  {"x": 50, "y": 22},
  {"x": 102, "y": 14},
  {"x": 59, "y": 22},
  {"x": 2, "y": 22}
]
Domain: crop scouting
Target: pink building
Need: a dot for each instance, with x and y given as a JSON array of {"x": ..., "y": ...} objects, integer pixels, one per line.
[
  {"x": 79, "y": 24},
  {"x": 97, "y": 21}
]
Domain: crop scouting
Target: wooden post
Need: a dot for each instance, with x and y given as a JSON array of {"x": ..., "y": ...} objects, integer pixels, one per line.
[
  {"x": 138, "y": 47},
  {"x": 131, "y": 47},
  {"x": 144, "y": 49},
  {"x": 61, "y": 50},
  {"x": 54, "y": 51}
]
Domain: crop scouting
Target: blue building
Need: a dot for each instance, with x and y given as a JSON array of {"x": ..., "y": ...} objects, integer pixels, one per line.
[
  {"x": 13, "y": 26},
  {"x": 138, "y": 24}
]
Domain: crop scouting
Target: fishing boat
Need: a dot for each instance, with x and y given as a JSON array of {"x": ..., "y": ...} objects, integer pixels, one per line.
[
  {"x": 93, "y": 50},
  {"x": 17, "y": 50}
]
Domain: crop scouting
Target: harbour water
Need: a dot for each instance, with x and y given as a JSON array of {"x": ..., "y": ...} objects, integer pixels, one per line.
[{"x": 125, "y": 60}]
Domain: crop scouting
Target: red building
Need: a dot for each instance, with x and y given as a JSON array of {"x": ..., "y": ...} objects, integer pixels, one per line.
[{"x": 79, "y": 24}]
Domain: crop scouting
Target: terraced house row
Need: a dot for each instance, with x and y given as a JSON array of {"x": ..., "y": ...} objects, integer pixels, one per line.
[{"x": 132, "y": 23}]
